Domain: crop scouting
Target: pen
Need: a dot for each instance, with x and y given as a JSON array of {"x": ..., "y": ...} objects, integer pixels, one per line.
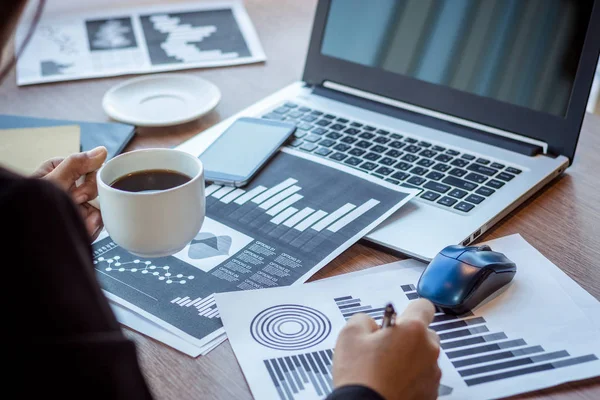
[{"x": 389, "y": 316}]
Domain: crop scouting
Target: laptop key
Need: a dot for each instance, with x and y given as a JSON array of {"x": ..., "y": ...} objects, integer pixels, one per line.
[
  {"x": 377, "y": 175},
  {"x": 396, "y": 136},
  {"x": 341, "y": 147},
  {"x": 497, "y": 165},
  {"x": 482, "y": 169},
  {"x": 436, "y": 186},
  {"x": 316, "y": 112},
  {"x": 418, "y": 171},
  {"x": 438, "y": 148},
  {"x": 296, "y": 142},
  {"x": 395, "y": 182},
  {"x": 308, "y": 118},
  {"x": 458, "y": 172},
  {"x": 384, "y": 170},
  {"x": 323, "y": 122},
  {"x": 412, "y": 148},
  {"x": 464, "y": 207},
  {"x": 410, "y": 158},
  {"x": 369, "y": 166},
  {"x": 367, "y": 135},
  {"x": 504, "y": 176},
  {"x": 319, "y": 131},
  {"x": 351, "y": 131},
  {"x": 304, "y": 109},
  {"x": 475, "y": 199},
  {"x": 394, "y": 153},
  {"x": 468, "y": 157},
  {"x": 459, "y": 183},
  {"x": 382, "y": 139},
  {"x": 459, "y": 163},
  {"x": 428, "y": 153},
  {"x": 451, "y": 152},
  {"x": 447, "y": 201},
  {"x": 327, "y": 142},
  {"x": 348, "y": 139},
  {"x": 372, "y": 156},
  {"x": 354, "y": 161},
  {"x": 356, "y": 124},
  {"x": 323, "y": 151},
  {"x": 403, "y": 166},
  {"x": 485, "y": 191},
  {"x": 312, "y": 138},
  {"x": 273, "y": 116},
  {"x": 387, "y": 161},
  {"x": 337, "y": 127},
  {"x": 397, "y": 145},
  {"x": 410, "y": 140},
  {"x": 281, "y": 110},
  {"x": 357, "y": 152},
  {"x": 425, "y": 162},
  {"x": 329, "y": 116},
  {"x": 424, "y": 144},
  {"x": 459, "y": 194},
  {"x": 441, "y": 167},
  {"x": 342, "y": 120},
  {"x": 304, "y": 126},
  {"x": 295, "y": 114},
  {"x": 416, "y": 180},
  {"x": 289, "y": 104},
  {"x": 338, "y": 156},
  {"x": 443, "y": 158},
  {"x": 308, "y": 146},
  {"x": 431, "y": 196},
  {"x": 363, "y": 144},
  {"x": 334, "y": 135},
  {"x": 513, "y": 170},
  {"x": 400, "y": 175},
  {"x": 300, "y": 134},
  {"x": 494, "y": 184},
  {"x": 382, "y": 132},
  {"x": 482, "y": 161},
  {"x": 474, "y": 177},
  {"x": 435, "y": 175},
  {"x": 378, "y": 148},
  {"x": 369, "y": 128}
]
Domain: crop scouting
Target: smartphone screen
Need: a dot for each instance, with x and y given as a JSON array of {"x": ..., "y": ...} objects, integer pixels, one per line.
[{"x": 242, "y": 149}]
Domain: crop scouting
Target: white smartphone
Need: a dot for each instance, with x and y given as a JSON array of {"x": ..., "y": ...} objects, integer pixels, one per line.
[{"x": 240, "y": 152}]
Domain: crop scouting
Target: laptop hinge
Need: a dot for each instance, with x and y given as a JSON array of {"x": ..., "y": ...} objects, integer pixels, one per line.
[{"x": 432, "y": 119}]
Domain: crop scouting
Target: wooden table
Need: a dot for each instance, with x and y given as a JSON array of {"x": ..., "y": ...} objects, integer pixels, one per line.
[{"x": 562, "y": 221}]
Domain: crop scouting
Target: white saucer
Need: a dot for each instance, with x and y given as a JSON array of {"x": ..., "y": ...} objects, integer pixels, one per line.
[{"x": 161, "y": 100}]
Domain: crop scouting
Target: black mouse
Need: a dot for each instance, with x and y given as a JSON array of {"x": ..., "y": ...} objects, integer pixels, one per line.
[{"x": 459, "y": 278}]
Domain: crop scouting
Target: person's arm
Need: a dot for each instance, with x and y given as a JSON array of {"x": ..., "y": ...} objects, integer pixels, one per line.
[
  {"x": 394, "y": 363},
  {"x": 69, "y": 344}
]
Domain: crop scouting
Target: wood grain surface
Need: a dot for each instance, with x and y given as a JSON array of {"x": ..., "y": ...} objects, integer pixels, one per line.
[{"x": 562, "y": 221}]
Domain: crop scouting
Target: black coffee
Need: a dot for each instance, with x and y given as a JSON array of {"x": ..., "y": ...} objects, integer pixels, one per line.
[{"x": 150, "y": 180}]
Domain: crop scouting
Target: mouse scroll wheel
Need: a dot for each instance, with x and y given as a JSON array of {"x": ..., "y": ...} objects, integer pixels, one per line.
[{"x": 485, "y": 247}]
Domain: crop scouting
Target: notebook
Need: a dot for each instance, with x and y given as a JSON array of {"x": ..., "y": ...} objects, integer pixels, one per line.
[{"x": 113, "y": 136}]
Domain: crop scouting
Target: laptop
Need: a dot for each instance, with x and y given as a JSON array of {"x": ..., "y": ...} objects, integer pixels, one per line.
[{"x": 477, "y": 103}]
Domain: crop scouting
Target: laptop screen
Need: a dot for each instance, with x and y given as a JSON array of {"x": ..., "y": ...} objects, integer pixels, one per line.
[{"x": 521, "y": 52}]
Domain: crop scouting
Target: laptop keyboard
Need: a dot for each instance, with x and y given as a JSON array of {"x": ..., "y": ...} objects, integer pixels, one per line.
[{"x": 447, "y": 177}]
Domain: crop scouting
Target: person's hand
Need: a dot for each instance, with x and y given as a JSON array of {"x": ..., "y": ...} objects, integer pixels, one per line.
[
  {"x": 398, "y": 362},
  {"x": 64, "y": 172}
]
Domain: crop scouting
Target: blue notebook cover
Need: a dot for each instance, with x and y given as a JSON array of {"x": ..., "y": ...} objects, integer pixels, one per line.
[{"x": 113, "y": 136}]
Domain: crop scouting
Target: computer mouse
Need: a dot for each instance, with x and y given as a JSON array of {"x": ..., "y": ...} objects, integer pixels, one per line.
[{"x": 459, "y": 278}]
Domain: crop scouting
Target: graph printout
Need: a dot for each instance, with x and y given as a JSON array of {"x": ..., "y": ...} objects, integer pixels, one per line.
[
  {"x": 83, "y": 42},
  {"x": 536, "y": 333},
  {"x": 277, "y": 231}
]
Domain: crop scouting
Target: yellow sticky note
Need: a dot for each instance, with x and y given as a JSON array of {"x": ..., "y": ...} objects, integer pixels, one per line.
[{"x": 23, "y": 150}]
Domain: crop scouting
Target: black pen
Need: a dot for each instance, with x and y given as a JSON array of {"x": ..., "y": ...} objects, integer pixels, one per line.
[{"x": 389, "y": 316}]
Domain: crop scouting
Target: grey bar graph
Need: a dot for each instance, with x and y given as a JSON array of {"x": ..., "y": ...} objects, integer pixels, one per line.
[
  {"x": 457, "y": 324},
  {"x": 349, "y": 306},
  {"x": 497, "y": 356},
  {"x": 514, "y": 363},
  {"x": 486, "y": 348},
  {"x": 473, "y": 340},
  {"x": 463, "y": 332}
]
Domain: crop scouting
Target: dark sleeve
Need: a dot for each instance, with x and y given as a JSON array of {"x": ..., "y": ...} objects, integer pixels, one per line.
[
  {"x": 354, "y": 392},
  {"x": 70, "y": 339}
]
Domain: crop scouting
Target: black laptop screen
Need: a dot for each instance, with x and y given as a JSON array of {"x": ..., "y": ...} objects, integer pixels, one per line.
[{"x": 520, "y": 52}]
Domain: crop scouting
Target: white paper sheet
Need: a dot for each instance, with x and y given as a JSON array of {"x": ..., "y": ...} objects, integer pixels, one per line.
[
  {"x": 529, "y": 336},
  {"x": 79, "y": 43}
]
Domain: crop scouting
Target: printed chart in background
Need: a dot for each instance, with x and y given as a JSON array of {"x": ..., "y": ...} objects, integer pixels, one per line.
[
  {"x": 530, "y": 336},
  {"x": 277, "y": 231},
  {"x": 90, "y": 43}
]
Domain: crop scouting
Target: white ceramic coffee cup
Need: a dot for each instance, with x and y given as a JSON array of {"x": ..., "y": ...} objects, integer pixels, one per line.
[{"x": 152, "y": 224}]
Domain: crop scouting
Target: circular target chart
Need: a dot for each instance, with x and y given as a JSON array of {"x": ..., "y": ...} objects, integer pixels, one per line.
[{"x": 290, "y": 327}]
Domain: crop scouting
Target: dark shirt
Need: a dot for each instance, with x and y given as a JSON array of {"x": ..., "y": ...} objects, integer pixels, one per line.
[{"x": 67, "y": 342}]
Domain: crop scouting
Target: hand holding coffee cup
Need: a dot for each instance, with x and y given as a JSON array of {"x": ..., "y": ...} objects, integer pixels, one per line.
[{"x": 152, "y": 200}]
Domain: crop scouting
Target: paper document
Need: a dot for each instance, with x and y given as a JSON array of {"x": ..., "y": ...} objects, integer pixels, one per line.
[
  {"x": 277, "y": 231},
  {"x": 23, "y": 150},
  {"x": 529, "y": 336},
  {"x": 80, "y": 43}
]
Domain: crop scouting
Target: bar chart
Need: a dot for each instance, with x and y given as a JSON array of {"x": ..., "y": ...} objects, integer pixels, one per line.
[
  {"x": 481, "y": 356},
  {"x": 349, "y": 306},
  {"x": 206, "y": 306}
]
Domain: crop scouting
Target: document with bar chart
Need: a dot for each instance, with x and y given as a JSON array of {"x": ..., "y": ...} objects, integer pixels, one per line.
[
  {"x": 81, "y": 43},
  {"x": 532, "y": 335},
  {"x": 277, "y": 231}
]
